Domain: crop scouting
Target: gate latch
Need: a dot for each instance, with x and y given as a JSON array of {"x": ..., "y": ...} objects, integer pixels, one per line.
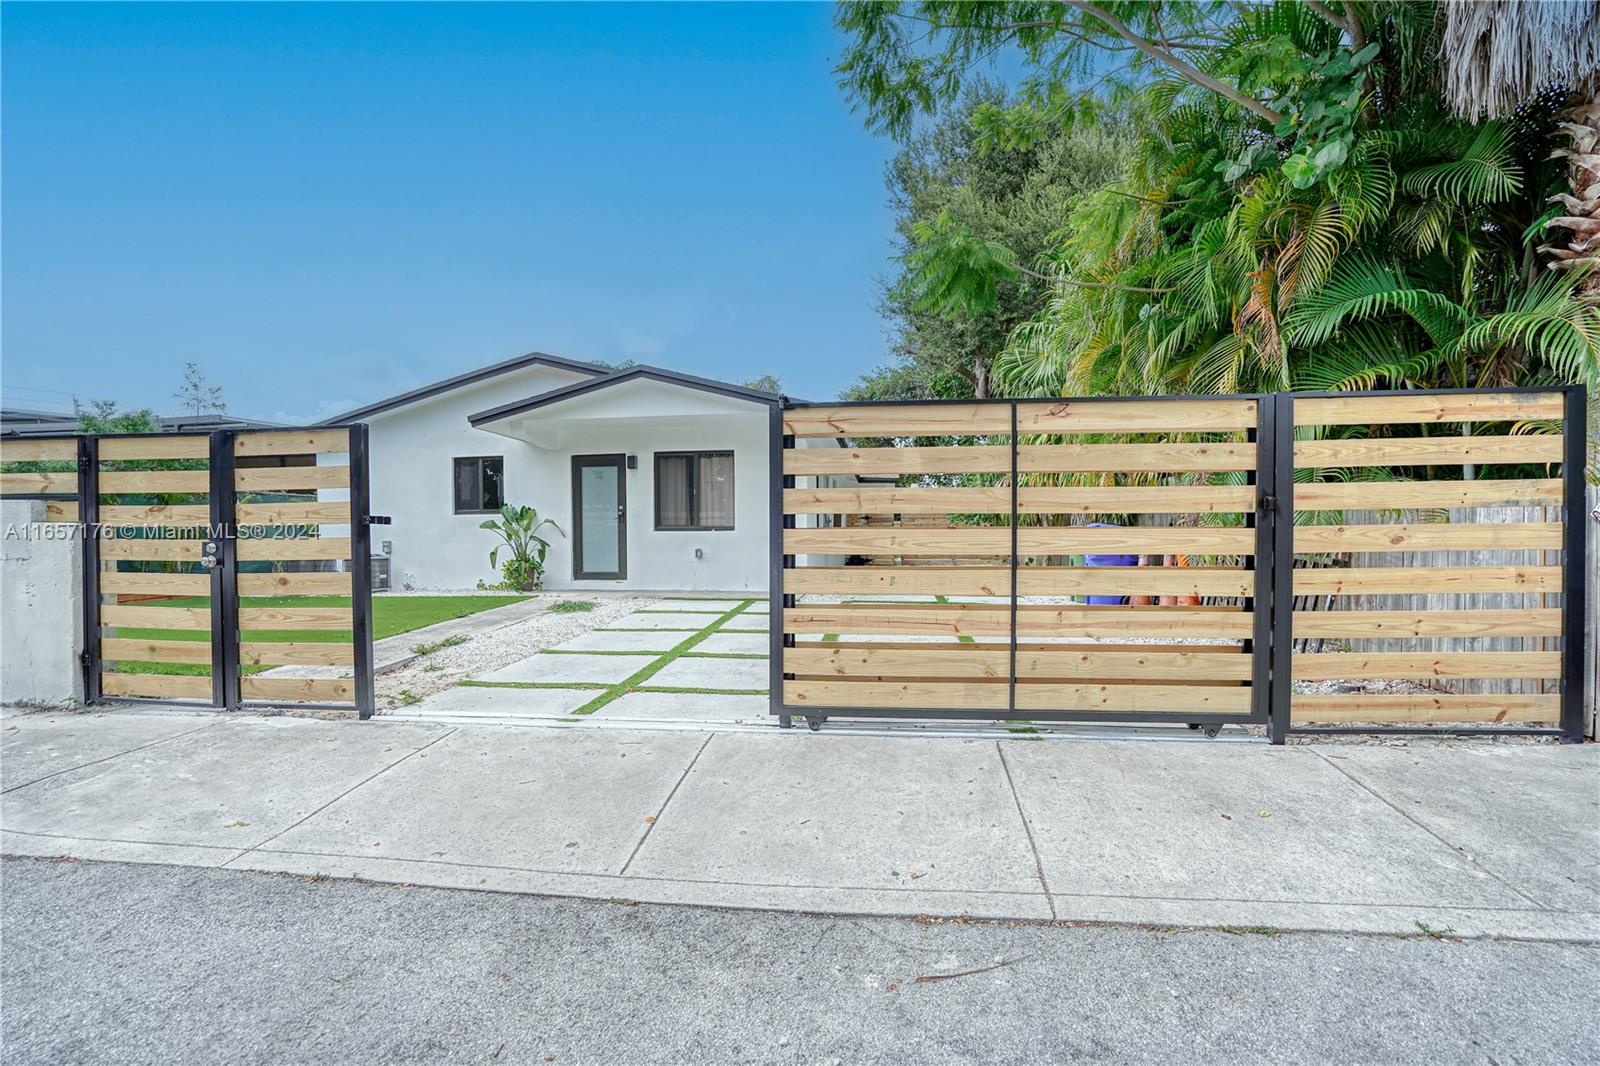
[
  {"x": 379, "y": 520},
  {"x": 208, "y": 555}
]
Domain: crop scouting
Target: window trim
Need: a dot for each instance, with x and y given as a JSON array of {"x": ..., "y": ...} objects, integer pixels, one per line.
[
  {"x": 455, "y": 463},
  {"x": 694, "y": 497}
]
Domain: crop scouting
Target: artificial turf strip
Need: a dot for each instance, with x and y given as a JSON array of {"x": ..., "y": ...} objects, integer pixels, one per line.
[
  {"x": 649, "y": 670},
  {"x": 586, "y": 685},
  {"x": 702, "y": 691}
]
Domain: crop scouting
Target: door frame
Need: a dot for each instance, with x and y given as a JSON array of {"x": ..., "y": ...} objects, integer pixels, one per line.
[{"x": 620, "y": 461}]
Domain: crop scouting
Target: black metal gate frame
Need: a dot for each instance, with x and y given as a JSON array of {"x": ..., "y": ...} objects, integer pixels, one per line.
[
  {"x": 225, "y": 666},
  {"x": 1271, "y": 643},
  {"x": 1257, "y": 646}
]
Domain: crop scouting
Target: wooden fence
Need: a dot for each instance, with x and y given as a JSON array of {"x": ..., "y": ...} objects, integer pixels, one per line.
[{"x": 988, "y": 627}]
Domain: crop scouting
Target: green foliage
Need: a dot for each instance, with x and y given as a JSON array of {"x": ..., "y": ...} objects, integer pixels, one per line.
[
  {"x": 518, "y": 529},
  {"x": 571, "y": 607},
  {"x": 765, "y": 383},
  {"x": 978, "y": 225},
  {"x": 1298, "y": 208},
  {"x": 198, "y": 396},
  {"x": 104, "y": 417}
]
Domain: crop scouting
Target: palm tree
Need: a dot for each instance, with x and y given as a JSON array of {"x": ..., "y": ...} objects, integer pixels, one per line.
[{"x": 1499, "y": 55}]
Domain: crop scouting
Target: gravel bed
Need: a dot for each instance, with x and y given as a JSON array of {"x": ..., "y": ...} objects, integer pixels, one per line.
[{"x": 502, "y": 647}]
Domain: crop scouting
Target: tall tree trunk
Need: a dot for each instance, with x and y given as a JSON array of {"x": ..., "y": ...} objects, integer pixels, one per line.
[{"x": 980, "y": 377}]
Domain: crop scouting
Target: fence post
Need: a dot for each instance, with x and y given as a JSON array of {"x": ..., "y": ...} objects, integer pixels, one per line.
[
  {"x": 777, "y": 561},
  {"x": 89, "y": 525},
  {"x": 224, "y": 575},
  {"x": 1281, "y": 651},
  {"x": 361, "y": 571},
  {"x": 1011, "y": 695},
  {"x": 1574, "y": 562}
]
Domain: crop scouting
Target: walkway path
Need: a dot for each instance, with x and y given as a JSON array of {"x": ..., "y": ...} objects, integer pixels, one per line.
[{"x": 1483, "y": 839}]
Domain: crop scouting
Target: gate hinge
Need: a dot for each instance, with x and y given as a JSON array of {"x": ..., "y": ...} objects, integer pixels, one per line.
[
  {"x": 86, "y": 658},
  {"x": 378, "y": 520},
  {"x": 1269, "y": 505}
]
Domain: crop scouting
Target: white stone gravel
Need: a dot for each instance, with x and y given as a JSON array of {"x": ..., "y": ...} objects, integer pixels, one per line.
[{"x": 501, "y": 647}]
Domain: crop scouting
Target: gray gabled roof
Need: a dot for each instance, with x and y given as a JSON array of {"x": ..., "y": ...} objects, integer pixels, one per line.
[
  {"x": 636, "y": 373},
  {"x": 469, "y": 378}
]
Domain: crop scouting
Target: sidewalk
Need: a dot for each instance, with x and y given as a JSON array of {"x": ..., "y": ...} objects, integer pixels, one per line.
[{"x": 1482, "y": 839}]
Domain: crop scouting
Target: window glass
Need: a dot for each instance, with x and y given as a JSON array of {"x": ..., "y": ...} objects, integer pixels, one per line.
[
  {"x": 694, "y": 490},
  {"x": 479, "y": 484}
]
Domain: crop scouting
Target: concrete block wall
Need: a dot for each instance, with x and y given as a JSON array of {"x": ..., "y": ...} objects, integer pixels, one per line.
[{"x": 41, "y": 607}]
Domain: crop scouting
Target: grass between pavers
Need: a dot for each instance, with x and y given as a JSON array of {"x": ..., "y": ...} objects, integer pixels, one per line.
[
  {"x": 724, "y": 655},
  {"x": 649, "y": 670},
  {"x": 703, "y": 691}
]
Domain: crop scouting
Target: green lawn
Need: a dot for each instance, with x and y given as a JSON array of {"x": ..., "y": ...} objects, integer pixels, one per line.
[{"x": 390, "y": 615}]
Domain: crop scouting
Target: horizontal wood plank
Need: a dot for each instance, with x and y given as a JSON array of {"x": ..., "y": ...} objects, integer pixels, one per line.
[
  {"x": 1422, "y": 407},
  {"x": 120, "y": 649},
  {"x": 1034, "y": 540},
  {"x": 158, "y": 549},
  {"x": 291, "y": 441},
  {"x": 295, "y": 618},
  {"x": 36, "y": 483},
  {"x": 293, "y": 514},
  {"x": 298, "y": 584},
  {"x": 285, "y": 548},
  {"x": 1419, "y": 451},
  {"x": 115, "y": 482},
  {"x": 1416, "y": 665},
  {"x": 1469, "y": 623},
  {"x": 1040, "y": 696},
  {"x": 1135, "y": 458},
  {"x": 298, "y": 689},
  {"x": 1137, "y": 416},
  {"x": 156, "y": 686},
  {"x": 1421, "y": 708},
  {"x": 289, "y": 653},
  {"x": 61, "y": 510},
  {"x": 144, "y": 617},
  {"x": 38, "y": 449},
  {"x": 1399, "y": 580},
  {"x": 165, "y": 446},
  {"x": 976, "y": 620},
  {"x": 1110, "y": 499},
  {"x": 1032, "y": 580},
  {"x": 976, "y": 661},
  {"x": 1432, "y": 536},
  {"x": 1411, "y": 495},
  {"x": 290, "y": 478},
  {"x": 899, "y": 420},
  {"x": 979, "y": 459},
  {"x": 156, "y": 584},
  {"x": 169, "y": 515}
]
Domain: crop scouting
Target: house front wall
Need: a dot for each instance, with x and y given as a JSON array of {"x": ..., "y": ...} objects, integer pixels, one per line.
[{"x": 412, "y": 451}]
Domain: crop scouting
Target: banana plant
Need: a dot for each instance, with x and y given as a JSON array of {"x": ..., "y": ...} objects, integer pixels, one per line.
[{"x": 518, "y": 529}]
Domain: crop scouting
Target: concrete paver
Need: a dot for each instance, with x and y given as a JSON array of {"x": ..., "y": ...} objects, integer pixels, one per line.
[
  {"x": 692, "y": 672},
  {"x": 694, "y": 606},
  {"x": 662, "y": 620},
  {"x": 655, "y": 643},
  {"x": 735, "y": 643},
  {"x": 483, "y": 702},
  {"x": 605, "y": 669}
]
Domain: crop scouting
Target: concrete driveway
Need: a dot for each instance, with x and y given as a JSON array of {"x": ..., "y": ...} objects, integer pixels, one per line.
[{"x": 1483, "y": 839}]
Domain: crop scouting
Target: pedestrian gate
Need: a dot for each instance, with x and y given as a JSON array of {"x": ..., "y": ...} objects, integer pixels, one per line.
[
  {"x": 228, "y": 568},
  {"x": 939, "y": 560}
]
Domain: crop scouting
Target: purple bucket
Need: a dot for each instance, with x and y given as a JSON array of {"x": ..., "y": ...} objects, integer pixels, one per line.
[{"x": 1108, "y": 560}]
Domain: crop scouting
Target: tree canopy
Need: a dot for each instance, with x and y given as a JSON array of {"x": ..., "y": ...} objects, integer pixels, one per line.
[{"x": 1301, "y": 207}]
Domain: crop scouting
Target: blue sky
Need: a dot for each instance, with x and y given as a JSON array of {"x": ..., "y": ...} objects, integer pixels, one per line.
[{"x": 328, "y": 204}]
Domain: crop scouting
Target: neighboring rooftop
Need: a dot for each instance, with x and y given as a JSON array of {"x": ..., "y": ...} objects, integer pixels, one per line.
[{"x": 17, "y": 423}]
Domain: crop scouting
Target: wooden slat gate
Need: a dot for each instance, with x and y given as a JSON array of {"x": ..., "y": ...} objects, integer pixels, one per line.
[
  {"x": 229, "y": 568},
  {"x": 934, "y": 560}
]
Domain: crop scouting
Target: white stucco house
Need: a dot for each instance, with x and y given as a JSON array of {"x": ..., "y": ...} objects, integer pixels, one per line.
[{"x": 658, "y": 480}]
